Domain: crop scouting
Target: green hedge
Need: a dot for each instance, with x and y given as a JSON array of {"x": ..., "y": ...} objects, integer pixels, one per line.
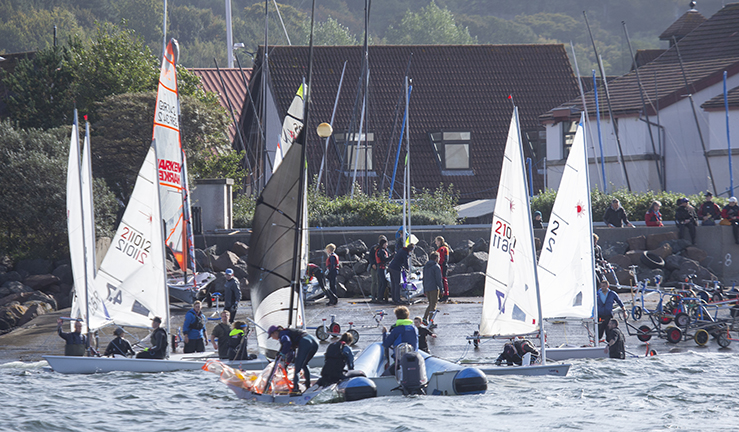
[{"x": 636, "y": 204}]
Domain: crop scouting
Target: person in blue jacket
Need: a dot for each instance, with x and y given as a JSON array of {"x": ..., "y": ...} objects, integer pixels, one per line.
[
  {"x": 399, "y": 262},
  {"x": 193, "y": 330},
  {"x": 297, "y": 347},
  {"x": 404, "y": 331},
  {"x": 606, "y": 297}
]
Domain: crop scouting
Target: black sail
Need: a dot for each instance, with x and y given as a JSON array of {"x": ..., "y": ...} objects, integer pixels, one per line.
[{"x": 272, "y": 249}]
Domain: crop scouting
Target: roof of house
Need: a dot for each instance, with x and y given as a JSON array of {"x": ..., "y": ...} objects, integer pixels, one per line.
[
  {"x": 683, "y": 26},
  {"x": 455, "y": 88},
  {"x": 716, "y": 103},
  {"x": 706, "y": 52},
  {"x": 235, "y": 89},
  {"x": 645, "y": 56}
]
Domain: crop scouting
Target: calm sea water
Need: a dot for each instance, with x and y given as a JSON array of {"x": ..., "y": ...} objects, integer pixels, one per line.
[{"x": 691, "y": 390}]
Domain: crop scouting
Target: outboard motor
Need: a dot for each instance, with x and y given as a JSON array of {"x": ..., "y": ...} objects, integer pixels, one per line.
[{"x": 410, "y": 370}]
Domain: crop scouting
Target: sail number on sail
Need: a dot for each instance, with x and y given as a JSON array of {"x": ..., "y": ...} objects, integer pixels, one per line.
[
  {"x": 551, "y": 241},
  {"x": 503, "y": 238},
  {"x": 133, "y": 244},
  {"x": 167, "y": 115}
]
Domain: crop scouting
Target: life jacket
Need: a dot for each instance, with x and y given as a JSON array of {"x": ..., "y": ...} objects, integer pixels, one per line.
[
  {"x": 332, "y": 266},
  {"x": 234, "y": 338},
  {"x": 199, "y": 321},
  {"x": 524, "y": 346},
  {"x": 295, "y": 335},
  {"x": 443, "y": 254},
  {"x": 380, "y": 257},
  {"x": 162, "y": 334}
]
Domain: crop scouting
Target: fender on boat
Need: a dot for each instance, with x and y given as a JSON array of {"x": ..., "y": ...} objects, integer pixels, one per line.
[{"x": 357, "y": 388}]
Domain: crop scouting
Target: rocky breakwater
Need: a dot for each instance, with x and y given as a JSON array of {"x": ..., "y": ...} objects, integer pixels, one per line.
[
  {"x": 30, "y": 288},
  {"x": 664, "y": 255}
]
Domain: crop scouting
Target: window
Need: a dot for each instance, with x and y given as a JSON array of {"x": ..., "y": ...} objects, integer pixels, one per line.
[
  {"x": 568, "y": 135},
  {"x": 537, "y": 142},
  {"x": 361, "y": 155},
  {"x": 452, "y": 149}
]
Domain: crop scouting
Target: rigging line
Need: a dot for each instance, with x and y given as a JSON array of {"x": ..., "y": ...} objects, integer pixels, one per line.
[
  {"x": 401, "y": 96},
  {"x": 258, "y": 122},
  {"x": 282, "y": 22}
]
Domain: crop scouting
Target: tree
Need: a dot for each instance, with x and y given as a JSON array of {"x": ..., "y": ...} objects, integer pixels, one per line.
[
  {"x": 492, "y": 30},
  {"x": 32, "y": 199},
  {"x": 143, "y": 16},
  {"x": 33, "y": 29},
  {"x": 122, "y": 136},
  {"x": 430, "y": 26}
]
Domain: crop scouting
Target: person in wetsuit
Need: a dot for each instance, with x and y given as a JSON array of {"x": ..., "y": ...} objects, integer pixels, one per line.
[
  {"x": 76, "y": 342},
  {"x": 159, "y": 342},
  {"x": 337, "y": 357},
  {"x": 615, "y": 339},
  {"x": 297, "y": 347},
  {"x": 119, "y": 346}
]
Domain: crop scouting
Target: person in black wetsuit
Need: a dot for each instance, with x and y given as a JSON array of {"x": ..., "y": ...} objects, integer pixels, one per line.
[
  {"x": 423, "y": 333},
  {"x": 615, "y": 339},
  {"x": 159, "y": 342},
  {"x": 337, "y": 357},
  {"x": 297, "y": 347},
  {"x": 119, "y": 346},
  {"x": 76, "y": 341}
]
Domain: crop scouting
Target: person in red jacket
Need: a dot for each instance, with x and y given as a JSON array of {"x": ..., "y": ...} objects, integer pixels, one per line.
[
  {"x": 653, "y": 217},
  {"x": 443, "y": 251}
]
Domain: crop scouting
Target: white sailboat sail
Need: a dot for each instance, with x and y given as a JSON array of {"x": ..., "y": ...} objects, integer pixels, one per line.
[
  {"x": 80, "y": 222},
  {"x": 130, "y": 286},
  {"x": 171, "y": 172},
  {"x": 510, "y": 306},
  {"x": 566, "y": 266},
  {"x": 291, "y": 127}
]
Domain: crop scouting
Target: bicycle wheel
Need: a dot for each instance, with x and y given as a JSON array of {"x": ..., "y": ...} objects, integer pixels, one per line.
[
  {"x": 355, "y": 335},
  {"x": 723, "y": 340},
  {"x": 682, "y": 319},
  {"x": 674, "y": 335},
  {"x": 321, "y": 333},
  {"x": 701, "y": 337},
  {"x": 335, "y": 328},
  {"x": 644, "y": 333},
  {"x": 636, "y": 313}
]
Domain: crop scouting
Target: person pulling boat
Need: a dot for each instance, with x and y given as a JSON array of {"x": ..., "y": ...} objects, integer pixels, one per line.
[{"x": 297, "y": 347}]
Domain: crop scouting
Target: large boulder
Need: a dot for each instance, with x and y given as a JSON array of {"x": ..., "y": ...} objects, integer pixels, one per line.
[
  {"x": 346, "y": 272},
  {"x": 461, "y": 250},
  {"x": 6, "y": 262},
  {"x": 650, "y": 274},
  {"x": 13, "y": 287},
  {"x": 226, "y": 260},
  {"x": 10, "y": 314},
  {"x": 203, "y": 257},
  {"x": 481, "y": 245},
  {"x": 614, "y": 248},
  {"x": 419, "y": 257},
  {"x": 655, "y": 240},
  {"x": 634, "y": 256},
  {"x": 637, "y": 243},
  {"x": 240, "y": 248},
  {"x": 459, "y": 268},
  {"x": 35, "y": 266},
  {"x": 663, "y": 251},
  {"x": 357, "y": 247},
  {"x": 620, "y": 260},
  {"x": 10, "y": 277},
  {"x": 694, "y": 253},
  {"x": 476, "y": 262},
  {"x": 41, "y": 282},
  {"x": 35, "y": 309},
  {"x": 64, "y": 273},
  {"x": 678, "y": 245},
  {"x": 690, "y": 268},
  {"x": 467, "y": 285},
  {"x": 360, "y": 267},
  {"x": 358, "y": 286},
  {"x": 674, "y": 262}
]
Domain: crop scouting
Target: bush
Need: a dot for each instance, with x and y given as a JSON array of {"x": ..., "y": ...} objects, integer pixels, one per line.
[{"x": 636, "y": 204}]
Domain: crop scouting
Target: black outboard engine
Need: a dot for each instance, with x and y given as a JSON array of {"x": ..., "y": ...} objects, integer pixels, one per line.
[{"x": 410, "y": 370}]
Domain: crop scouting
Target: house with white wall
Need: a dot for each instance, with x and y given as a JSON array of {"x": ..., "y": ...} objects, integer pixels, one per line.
[{"x": 670, "y": 130}]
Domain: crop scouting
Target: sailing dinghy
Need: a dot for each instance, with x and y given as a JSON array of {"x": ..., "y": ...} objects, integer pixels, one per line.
[
  {"x": 511, "y": 306},
  {"x": 566, "y": 263}
]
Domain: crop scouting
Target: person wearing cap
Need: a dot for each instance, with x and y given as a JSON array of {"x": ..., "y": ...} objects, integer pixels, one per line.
[
  {"x": 709, "y": 212},
  {"x": 159, "y": 342},
  {"x": 615, "y": 215},
  {"x": 730, "y": 213},
  {"x": 232, "y": 294},
  {"x": 686, "y": 218},
  {"x": 537, "y": 222},
  {"x": 398, "y": 264},
  {"x": 119, "y": 346},
  {"x": 297, "y": 347},
  {"x": 220, "y": 333},
  {"x": 653, "y": 218}
]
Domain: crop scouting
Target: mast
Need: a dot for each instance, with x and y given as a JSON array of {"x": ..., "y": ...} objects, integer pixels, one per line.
[
  {"x": 728, "y": 138},
  {"x": 608, "y": 101},
  {"x": 644, "y": 106},
  {"x": 695, "y": 115},
  {"x": 328, "y": 138},
  {"x": 407, "y": 189},
  {"x": 295, "y": 282}
]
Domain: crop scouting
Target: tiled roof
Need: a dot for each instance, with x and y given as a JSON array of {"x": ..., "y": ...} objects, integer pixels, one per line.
[
  {"x": 717, "y": 102},
  {"x": 707, "y": 51},
  {"x": 235, "y": 88},
  {"x": 455, "y": 88},
  {"x": 645, "y": 56},
  {"x": 683, "y": 26}
]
